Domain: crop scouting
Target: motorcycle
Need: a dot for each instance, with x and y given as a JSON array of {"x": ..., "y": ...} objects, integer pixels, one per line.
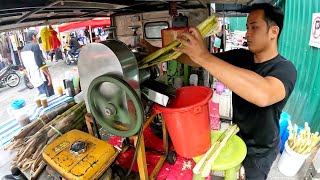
[
  {"x": 8, "y": 76},
  {"x": 71, "y": 57}
]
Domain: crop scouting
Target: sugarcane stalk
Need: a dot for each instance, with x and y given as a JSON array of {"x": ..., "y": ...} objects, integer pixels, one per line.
[
  {"x": 35, "y": 174},
  {"x": 79, "y": 125},
  {"x": 199, "y": 165},
  {"x": 36, "y": 163},
  {"x": 53, "y": 138},
  {"x": 30, "y": 156},
  {"x": 313, "y": 144},
  {"x": 214, "y": 151},
  {"x": 160, "y": 52},
  {"x": 39, "y": 150},
  {"x": 206, "y": 171},
  {"x": 67, "y": 122},
  {"x": 34, "y": 126},
  {"x": 27, "y": 151},
  {"x": 20, "y": 164},
  {"x": 207, "y": 28},
  {"x": 305, "y": 146}
]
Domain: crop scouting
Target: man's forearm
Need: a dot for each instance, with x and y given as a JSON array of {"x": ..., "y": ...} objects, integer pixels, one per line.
[
  {"x": 245, "y": 83},
  {"x": 46, "y": 72}
]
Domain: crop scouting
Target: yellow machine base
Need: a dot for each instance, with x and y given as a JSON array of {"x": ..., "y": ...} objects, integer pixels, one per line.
[{"x": 88, "y": 164}]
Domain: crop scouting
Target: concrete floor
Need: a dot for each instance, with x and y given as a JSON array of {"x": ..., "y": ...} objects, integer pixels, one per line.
[{"x": 7, "y": 94}]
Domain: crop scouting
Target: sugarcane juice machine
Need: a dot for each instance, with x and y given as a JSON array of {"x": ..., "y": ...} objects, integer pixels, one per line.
[{"x": 111, "y": 80}]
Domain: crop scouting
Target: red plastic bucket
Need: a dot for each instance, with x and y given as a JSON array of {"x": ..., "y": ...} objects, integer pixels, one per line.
[{"x": 187, "y": 120}]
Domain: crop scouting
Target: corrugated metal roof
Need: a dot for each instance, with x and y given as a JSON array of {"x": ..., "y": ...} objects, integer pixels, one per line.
[
  {"x": 304, "y": 103},
  {"x": 16, "y": 14}
]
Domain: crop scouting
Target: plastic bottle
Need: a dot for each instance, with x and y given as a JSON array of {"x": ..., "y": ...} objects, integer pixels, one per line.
[
  {"x": 18, "y": 110},
  {"x": 214, "y": 112},
  {"x": 193, "y": 80}
]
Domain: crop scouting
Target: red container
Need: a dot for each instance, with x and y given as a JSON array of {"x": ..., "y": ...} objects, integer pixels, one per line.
[{"x": 187, "y": 120}]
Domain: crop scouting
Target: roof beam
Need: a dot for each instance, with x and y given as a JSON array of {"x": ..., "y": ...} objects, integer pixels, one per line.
[{"x": 36, "y": 10}]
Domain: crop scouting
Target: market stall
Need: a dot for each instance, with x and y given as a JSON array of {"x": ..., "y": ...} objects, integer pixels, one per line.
[
  {"x": 119, "y": 125},
  {"x": 89, "y": 24},
  {"x": 121, "y": 107}
]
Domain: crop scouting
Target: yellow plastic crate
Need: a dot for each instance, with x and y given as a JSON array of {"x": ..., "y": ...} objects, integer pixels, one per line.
[{"x": 89, "y": 164}]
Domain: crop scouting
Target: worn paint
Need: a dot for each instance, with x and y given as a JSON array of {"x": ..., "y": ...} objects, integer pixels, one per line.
[{"x": 87, "y": 165}]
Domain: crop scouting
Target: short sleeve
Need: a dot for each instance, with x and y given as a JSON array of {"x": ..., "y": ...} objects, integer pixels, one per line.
[
  {"x": 286, "y": 73},
  {"x": 236, "y": 57},
  {"x": 38, "y": 56}
]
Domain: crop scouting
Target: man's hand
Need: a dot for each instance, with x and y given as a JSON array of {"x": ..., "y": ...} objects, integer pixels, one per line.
[
  {"x": 47, "y": 73},
  {"x": 49, "y": 81},
  {"x": 195, "y": 47}
]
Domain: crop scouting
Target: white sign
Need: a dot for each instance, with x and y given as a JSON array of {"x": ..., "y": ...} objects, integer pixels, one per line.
[{"x": 315, "y": 31}]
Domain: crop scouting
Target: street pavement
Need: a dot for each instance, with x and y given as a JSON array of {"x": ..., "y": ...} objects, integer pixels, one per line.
[{"x": 8, "y": 94}]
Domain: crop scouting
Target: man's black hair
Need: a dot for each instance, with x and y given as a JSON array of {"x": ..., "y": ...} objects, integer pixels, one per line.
[
  {"x": 272, "y": 15},
  {"x": 30, "y": 34}
]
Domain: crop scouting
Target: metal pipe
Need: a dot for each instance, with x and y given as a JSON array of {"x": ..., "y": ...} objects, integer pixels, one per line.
[{"x": 90, "y": 33}]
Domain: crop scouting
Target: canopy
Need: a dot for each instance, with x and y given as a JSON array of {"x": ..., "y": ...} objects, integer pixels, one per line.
[{"x": 96, "y": 22}]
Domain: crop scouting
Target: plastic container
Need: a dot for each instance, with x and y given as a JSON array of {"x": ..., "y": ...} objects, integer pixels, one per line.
[
  {"x": 193, "y": 80},
  {"x": 18, "y": 111},
  {"x": 283, "y": 123},
  {"x": 283, "y": 133},
  {"x": 219, "y": 87},
  {"x": 187, "y": 120},
  {"x": 214, "y": 112},
  {"x": 290, "y": 162}
]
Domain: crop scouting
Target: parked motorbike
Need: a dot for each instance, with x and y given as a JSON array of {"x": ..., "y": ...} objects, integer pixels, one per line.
[
  {"x": 8, "y": 76},
  {"x": 71, "y": 57}
]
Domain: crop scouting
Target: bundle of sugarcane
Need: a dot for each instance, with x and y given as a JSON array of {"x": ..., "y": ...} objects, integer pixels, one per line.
[
  {"x": 36, "y": 125},
  {"x": 29, "y": 157},
  {"x": 207, "y": 28},
  {"x": 305, "y": 141},
  {"x": 203, "y": 167}
]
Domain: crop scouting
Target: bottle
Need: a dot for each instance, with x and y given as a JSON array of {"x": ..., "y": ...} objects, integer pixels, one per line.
[
  {"x": 19, "y": 111},
  {"x": 68, "y": 85},
  {"x": 193, "y": 80},
  {"x": 214, "y": 112}
]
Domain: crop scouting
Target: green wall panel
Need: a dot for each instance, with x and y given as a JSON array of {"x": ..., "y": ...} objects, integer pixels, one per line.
[
  {"x": 238, "y": 23},
  {"x": 304, "y": 103}
]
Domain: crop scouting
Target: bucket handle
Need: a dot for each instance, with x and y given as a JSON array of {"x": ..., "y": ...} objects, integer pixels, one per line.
[{"x": 197, "y": 110}]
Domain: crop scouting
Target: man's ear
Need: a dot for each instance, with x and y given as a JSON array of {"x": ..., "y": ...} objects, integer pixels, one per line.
[{"x": 274, "y": 32}]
